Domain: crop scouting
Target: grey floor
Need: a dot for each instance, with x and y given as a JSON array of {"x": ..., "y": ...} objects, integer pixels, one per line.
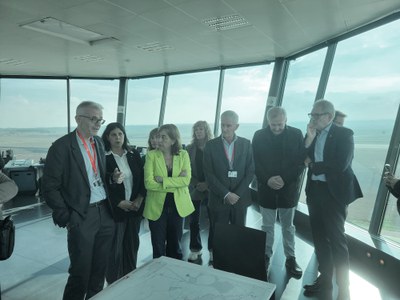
[{"x": 37, "y": 269}]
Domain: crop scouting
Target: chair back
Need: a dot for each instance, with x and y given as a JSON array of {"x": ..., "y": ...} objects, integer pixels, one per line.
[{"x": 239, "y": 250}]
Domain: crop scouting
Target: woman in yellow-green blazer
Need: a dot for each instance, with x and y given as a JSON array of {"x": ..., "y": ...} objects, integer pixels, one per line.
[{"x": 167, "y": 176}]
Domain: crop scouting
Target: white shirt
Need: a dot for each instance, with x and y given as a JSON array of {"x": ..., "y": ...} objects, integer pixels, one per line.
[{"x": 123, "y": 166}]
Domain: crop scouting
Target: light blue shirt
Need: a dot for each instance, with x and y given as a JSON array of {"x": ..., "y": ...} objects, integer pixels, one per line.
[
  {"x": 97, "y": 191},
  {"x": 229, "y": 150},
  {"x": 319, "y": 150}
]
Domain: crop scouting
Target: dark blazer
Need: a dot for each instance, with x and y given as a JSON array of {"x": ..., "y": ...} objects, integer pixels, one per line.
[
  {"x": 117, "y": 191},
  {"x": 216, "y": 167},
  {"x": 396, "y": 192},
  {"x": 65, "y": 183},
  {"x": 291, "y": 166},
  {"x": 194, "y": 193},
  {"x": 338, "y": 156}
]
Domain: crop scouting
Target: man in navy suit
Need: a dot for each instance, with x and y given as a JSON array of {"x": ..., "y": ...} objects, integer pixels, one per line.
[
  {"x": 331, "y": 187},
  {"x": 73, "y": 186},
  {"x": 228, "y": 168}
]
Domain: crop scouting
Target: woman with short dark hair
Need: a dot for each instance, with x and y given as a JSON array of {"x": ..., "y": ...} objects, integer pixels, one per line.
[{"x": 126, "y": 197}]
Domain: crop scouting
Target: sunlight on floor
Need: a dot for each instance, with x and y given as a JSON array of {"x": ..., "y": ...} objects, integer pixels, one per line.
[{"x": 362, "y": 289}]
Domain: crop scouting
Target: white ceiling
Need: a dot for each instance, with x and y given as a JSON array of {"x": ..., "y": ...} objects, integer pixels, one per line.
[{"x": 277, "y": 28}]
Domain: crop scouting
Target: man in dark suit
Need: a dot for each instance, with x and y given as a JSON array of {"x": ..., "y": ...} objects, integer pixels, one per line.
[
  {"x": 229, "y": 169},
  {"x": 279, "y": 155},
  {"x": 331, "y": 187},
  {"x": 73, "y": 186}
]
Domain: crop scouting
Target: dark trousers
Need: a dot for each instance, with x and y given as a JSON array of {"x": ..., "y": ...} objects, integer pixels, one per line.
[
  {"x": 89, "y": 244},
  {"x": 232, "y": 214},
  {"x": 195, "y": 239},
  {"x": 124, "y": 250},
  {"x": 166, "y": 232},
  {"x": 327, "y": 219}
]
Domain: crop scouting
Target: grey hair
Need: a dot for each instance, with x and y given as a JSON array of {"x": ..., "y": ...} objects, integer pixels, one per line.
[
  {"x": 86, "y": 104},
  {"x": 231, "y": 115},
  {"x": 326, "y": 106},
  {"x": 276, "y": 111}
]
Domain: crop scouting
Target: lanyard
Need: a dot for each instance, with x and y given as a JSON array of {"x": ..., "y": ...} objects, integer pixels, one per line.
[
  {"x": 91, "y": 158},
  {"x": 227, "y": 155}
]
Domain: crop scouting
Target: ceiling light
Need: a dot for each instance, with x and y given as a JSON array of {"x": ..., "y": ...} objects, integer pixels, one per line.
[
  {"x": 88, "y": 58},
  {"x": 12, "y": 61},
  {"x": 226, "y": 22},
  {"x": 64, "y": 30},
  {"x": 154, "y": 47}
]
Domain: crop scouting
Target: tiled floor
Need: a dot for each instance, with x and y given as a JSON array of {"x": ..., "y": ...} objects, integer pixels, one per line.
[{"x": 38, "y": 267}]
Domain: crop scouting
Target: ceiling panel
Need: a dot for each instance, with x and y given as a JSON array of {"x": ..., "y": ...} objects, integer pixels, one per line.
[{"x": 158, "y": 37}]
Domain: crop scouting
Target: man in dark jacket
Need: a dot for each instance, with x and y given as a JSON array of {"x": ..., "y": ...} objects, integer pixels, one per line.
[
  {"x": 73, "y": 186},
  {"x": 279, "y": 154},
  {"x": 331, "y": 187}
]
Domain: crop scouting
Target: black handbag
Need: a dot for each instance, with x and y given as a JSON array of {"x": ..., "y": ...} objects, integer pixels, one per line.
[{"x": 7, "y": 238}]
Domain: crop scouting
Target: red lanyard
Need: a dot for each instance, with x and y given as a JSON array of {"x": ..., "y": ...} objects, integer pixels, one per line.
[{"x": 91, "y": 158}]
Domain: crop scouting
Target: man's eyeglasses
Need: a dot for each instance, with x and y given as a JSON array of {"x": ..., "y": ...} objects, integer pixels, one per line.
[
  {"x": 94, "y": 120},
  {"x": 316, "y": 116}
]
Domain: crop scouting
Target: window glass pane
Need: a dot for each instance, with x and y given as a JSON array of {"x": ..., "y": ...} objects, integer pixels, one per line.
[
  {"x": 33, "y": 115},
  {"x": 191, "y": 97},
  {"x": 143, "y": 108},
  {"x": 245, "y": 92},
  {"x": 104, "y": 92},
  {"x": 365, "y": 85},
  {"x": 301, "y": 87}
]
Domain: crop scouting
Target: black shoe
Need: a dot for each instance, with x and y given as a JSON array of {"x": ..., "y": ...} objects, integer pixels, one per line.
[
  {"x": 293, "y": 268},
  {"x": 319, "y": 287}
]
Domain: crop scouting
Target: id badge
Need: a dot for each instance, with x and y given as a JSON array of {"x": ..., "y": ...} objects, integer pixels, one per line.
[
  {"x": 97, "y": 182},
  {"x": 232, "y": 174}
]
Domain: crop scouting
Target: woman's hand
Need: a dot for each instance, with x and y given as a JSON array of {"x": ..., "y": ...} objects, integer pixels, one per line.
[
  {"x": 158, "y": 179},
  {"x": 118, "y": 176},
  {"x": 137, "y": 203},
  {"x": 125, "y": 205}
]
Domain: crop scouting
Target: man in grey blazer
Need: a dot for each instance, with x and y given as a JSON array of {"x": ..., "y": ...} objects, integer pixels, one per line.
[
  {"x": 74, "y": 187},
  {"x": 228, "y": 168}
]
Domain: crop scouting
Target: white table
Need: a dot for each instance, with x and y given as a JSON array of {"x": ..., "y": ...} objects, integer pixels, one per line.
[{"x": 166, "y": 278}]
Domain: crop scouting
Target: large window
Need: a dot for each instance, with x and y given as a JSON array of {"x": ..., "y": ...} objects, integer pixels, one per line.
[
  {"x": 245, "y": 92},
  {"x": 191, "y": 97},
  {"x": 104, "y": 92},
  {"x": 365, "y": 84},
  {"x": 143, "y": 108},
  {"x": 301, "y": 88},
  {"x": 33, "y": 115}
]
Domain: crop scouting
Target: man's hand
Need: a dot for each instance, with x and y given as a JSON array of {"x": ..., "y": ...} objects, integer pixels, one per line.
[
  {"x": 275, "y": 182},
  {"x": 118, "y": 176},
  {"x": 311, "y": 134},
  {"x": 390, "y": 180},
  {"x": 202, "y": 186},
  {"x": 158, "y": 179},
  {"x": 232, "y": 198},
  {"x": 183, "y": 173}
]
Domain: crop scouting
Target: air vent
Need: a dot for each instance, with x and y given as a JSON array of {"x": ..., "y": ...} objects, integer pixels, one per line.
[
  {"x": 226, "y": 22},
  {"x": 154, "y": 47},
  {"x": 13, "y": 62},
  {"x": 88, "y": 58}
]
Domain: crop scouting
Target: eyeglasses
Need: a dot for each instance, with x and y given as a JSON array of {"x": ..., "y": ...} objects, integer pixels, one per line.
[
  {"x": 94, "y": 120},
  {"x": 316, "y": 115}
]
